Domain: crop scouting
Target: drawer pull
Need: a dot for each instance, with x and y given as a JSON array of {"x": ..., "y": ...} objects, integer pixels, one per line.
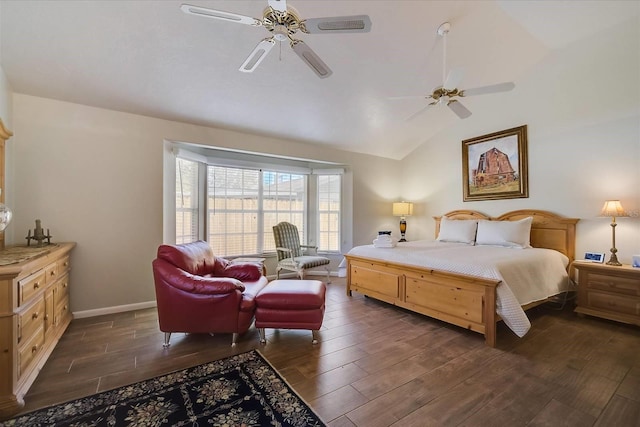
[
  {"x": 35, "y": 315},
  {"x": 66, "y": 264},
  {"x": 65, "y": 284},
  {"x": 34, "y": 348},
  {"x": 46, "y": 317},
  {"x": 53, "y": 273},
  {"x": 36, "y": 285}
]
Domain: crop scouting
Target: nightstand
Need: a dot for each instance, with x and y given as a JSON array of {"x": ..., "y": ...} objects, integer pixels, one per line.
[{"x": 609, "y": 292}]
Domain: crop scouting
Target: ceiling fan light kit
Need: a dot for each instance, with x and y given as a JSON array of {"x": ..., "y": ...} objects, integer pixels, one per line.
[
  {"x": 283, "y": 22},
  {"x": 448, "y": 94}
]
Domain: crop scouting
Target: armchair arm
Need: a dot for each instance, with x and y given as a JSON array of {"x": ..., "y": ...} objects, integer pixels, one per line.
[
  {"x": 190, "y": 283},
  {"x": 246, "y": 271},
  {"x": 287, "y": 250},
  {"x": 313, "y": 249}
]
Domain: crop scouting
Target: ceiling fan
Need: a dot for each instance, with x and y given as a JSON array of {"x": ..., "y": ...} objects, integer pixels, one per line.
[
  {"x": 448, "y": 93},
  {"x": 283, "y": 22}
]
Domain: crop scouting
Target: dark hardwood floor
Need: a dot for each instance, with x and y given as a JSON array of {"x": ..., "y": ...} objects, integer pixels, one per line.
[{"x": 377, "y": 365}]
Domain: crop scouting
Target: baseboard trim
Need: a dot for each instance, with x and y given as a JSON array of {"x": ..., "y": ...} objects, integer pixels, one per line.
[
  {"x": 113, "y": 310},
  {"x": 149, "y": 304}
]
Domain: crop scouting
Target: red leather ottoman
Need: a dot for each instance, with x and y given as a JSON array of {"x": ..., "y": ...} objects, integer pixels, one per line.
[{"x": 290, "y": 304}]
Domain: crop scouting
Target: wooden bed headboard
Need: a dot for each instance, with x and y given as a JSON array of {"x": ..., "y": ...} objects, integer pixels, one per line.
[{"x": 548, "y": 230}]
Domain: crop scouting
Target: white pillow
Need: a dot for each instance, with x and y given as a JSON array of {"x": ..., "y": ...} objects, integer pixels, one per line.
[
  {"x": 512, "y": 234},
  {"x": 457, "y": 230}
]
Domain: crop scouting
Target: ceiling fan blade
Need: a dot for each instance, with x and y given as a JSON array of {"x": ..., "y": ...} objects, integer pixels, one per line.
[
  {"x": 400, "y": 98},
  {"x": 337, "y": 24},
  {"x": 460, "y": 110},
  {"x": 500, "y": 87},
  {"x": 280, "y": 5},
  {"x": 219, "y": 14},
  {"x": 419, "y": 112},
  {"x": 454, "y": 78},
  {"x": 258, "y": 54},
  {"x": 311, "y": 59}
]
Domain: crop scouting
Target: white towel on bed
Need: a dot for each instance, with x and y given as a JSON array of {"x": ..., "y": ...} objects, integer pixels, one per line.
[{"x": 384, "y": 241}]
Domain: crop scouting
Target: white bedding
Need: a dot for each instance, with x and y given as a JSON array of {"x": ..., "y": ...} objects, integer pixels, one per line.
[{"x": 526, "y": 275}]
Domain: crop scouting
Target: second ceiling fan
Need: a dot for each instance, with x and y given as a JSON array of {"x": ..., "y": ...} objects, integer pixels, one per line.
[
  {"x": 283, "y": 22},
  {"x": 448, "y": 93}
]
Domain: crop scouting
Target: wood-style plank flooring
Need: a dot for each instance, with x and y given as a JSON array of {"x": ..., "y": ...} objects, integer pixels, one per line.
[{"x": 377, "y": 365}]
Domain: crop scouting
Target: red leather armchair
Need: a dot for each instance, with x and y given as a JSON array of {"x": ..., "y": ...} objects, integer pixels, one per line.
[{"x": 198, "y": 292}]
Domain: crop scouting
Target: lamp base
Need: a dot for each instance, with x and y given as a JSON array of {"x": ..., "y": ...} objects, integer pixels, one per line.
[
  {"x": 403, "y": 229},
  {"x": 614, "y": 260}
]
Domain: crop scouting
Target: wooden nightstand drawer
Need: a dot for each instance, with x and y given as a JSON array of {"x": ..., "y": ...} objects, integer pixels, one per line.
[
  {"x": 31, "y": 285},
  {"x": 615, "y": 303},
  {"x": 619, "y": 285},
  {"x": 611, "y": 292}
]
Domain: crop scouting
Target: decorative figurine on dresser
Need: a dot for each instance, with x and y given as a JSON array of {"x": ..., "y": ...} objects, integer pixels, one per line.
[{"x": 38, "y": 235}]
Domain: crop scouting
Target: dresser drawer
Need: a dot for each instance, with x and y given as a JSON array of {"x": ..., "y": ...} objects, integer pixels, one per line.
[
  {"x": 616, "y": 284},
  {"x": 613, "y": 303},
  {"x": 62, "y": 289},
  {"x": 31, "y": 285},
  {"x": 62, "y": 311},
  {"x": 28, "y": 352},
  {"x": 64, "y": 264},
  {"x": 51, "y": 272},
  {"x": 31, "y": 320}
]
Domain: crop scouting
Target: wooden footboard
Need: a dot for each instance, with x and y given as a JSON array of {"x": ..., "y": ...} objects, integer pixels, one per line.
[{"x": 465, "y": 301}]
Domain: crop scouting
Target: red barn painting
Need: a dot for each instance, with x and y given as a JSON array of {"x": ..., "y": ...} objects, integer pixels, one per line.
[{"x": 494, "y": 167}]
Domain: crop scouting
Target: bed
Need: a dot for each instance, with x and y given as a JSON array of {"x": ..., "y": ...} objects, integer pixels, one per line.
[{"x": 420, "y": 277}]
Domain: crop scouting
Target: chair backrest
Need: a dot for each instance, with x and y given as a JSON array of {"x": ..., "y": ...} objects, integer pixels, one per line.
[
  {"x": 195, "y": 258},
  {"x": 286, "y": 236}
]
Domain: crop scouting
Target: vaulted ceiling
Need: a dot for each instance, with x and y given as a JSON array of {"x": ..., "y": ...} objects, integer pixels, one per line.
[{"x": 150, "y": 58}]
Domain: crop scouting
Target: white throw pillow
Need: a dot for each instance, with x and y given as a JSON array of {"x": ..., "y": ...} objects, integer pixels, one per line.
[
  {"x": 512, "y": 234},
  {"x": 457, "y": 230}
]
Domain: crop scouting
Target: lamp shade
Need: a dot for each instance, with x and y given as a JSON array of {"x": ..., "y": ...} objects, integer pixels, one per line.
[
  {"x": 402, "y": 209},
  {"x": 613, "y": 208}
]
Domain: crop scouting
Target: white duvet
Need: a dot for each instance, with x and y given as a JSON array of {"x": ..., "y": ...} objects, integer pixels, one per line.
[{"x": 526, "y": 275}]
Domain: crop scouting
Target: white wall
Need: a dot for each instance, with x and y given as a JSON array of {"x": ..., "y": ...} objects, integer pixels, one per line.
[
  {"x": 582, "y": 108},
  {"x": 95, "y": 177}
]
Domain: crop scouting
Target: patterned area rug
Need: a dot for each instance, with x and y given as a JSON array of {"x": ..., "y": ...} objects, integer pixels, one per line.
[{"x": 242, "y": 390}]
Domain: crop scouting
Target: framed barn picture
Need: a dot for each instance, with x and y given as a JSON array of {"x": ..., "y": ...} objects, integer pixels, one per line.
[{"x": 494, "y": 166}]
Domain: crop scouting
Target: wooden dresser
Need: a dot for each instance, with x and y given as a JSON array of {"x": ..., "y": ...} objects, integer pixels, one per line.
[
  {"x": 611, "y": 292},
  {"x": 34, "y": 313}
]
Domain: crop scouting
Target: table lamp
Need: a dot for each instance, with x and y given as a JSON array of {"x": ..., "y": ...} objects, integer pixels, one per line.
[
  {"x": 402, "y": 209},
  {"x": 614, "y": 209}
]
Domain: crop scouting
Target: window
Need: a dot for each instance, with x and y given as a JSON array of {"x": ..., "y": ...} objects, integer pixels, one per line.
[
  {"x": 239, "y": 205},
  {"x": 285, "y": 199},
  {"x": 329, "y": 212},
  {"x": 186, "y": 201}
]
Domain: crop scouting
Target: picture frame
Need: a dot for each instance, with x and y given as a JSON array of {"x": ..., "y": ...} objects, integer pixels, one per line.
[{"x": 495, "y": 166}]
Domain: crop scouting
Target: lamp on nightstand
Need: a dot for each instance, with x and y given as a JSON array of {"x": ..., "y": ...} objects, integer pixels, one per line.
[
  {"x": 402, "y": 209},
  {"x": 614, "y": 209}
]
